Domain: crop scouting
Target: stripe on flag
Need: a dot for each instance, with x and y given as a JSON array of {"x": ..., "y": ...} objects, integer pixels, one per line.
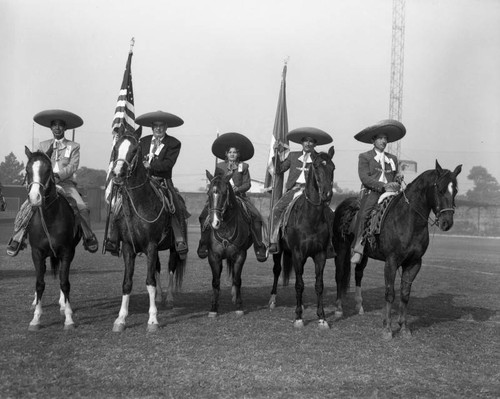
[{"x": 124, "y": 119}]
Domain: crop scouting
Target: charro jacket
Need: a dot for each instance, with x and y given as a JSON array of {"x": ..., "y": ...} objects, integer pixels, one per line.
[
  {"x": 293, "y": 163},
  {"x": 240, "y": 177},
  {"x": 165, "y": 157},
  {"x": 65, "y": 159},
  {"x": 370, "y": 170}
]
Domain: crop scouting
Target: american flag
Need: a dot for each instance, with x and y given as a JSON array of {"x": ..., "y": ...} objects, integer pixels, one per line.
[{"x": 124, "y": 120}]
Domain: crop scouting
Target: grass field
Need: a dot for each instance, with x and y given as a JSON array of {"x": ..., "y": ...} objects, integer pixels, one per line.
[{"x": 454, "y": 352}]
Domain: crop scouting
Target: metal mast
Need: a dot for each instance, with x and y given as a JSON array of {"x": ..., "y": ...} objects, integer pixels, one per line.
[{"x": 397, "y": 67}]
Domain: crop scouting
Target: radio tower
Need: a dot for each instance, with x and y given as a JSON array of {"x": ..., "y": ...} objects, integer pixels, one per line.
[{"x": 397, "y": 64}]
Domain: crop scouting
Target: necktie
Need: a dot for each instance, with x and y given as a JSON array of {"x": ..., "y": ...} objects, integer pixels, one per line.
[
  {"x": 382, "y": 165},
  {"x": 156, "y": 144}
]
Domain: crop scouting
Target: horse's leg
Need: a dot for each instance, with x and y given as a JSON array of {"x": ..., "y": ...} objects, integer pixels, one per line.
[
  {"x": 151, "y": 286},
  {"x": 358, "y": 277},
  {"x": 216, "y": 266},
  {"x": 65, "y": 286},
  {"x": 342, "y": 276},
  {"x": 389, "y": 276},
  {"x": 159, "y": 292},
  {"x": 40, "y": 268},
  {"x": 298, "y": 263},
  {"x": 236, "y": 288},
  {"x": 319, "y": 265},
  {"x": 276, "y": 272},
  {"x": 407, "y": 277},
  {"x": 129, "y": 262}
]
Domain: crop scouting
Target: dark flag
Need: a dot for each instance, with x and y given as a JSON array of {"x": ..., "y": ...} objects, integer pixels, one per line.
[{"x": 272, "y": 181}]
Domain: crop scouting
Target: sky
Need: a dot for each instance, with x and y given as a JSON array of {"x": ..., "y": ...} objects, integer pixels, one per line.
[{"x": 217, "y": 64}]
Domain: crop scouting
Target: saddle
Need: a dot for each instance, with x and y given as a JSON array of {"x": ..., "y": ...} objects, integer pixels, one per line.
[
  {"x": 286, "y": 215},
  {"x": 374, "y": 222}
]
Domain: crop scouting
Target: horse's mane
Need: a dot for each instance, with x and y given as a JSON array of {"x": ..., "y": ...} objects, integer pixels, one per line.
[{"x": 427, "y": 176}]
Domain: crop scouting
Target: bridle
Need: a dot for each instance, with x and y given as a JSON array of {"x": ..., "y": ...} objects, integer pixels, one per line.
[
  {"x": 220, "y": 211},
  {"x": 130, "y": 169},
  {"x": 320, "y": 189}
]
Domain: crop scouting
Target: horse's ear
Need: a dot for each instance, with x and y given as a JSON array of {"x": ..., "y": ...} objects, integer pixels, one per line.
[
  {"x": 331, "y": 152},
  {"x": 209, "y": 176},
  {"x": 138, "y": 133},
  {"x": 457, "y": 170},
  {"x": 27, "y": 152},
  {"x": 438, "y": 167}
]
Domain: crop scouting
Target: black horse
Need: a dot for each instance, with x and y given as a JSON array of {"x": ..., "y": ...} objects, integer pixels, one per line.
[
  {"x": 403, "y": 238},
  {"x": 230, "y": 237},
  {"x": 52, "y": 232},
  {"x": 307, "y": 234},
  {"x": 143, "y": 225}
]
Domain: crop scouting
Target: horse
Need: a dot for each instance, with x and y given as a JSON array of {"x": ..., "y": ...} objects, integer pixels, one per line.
[
  {"x": 143, "y": 225},
  {"x": 402, "y": 242},
  {"x": 230, "y": 238},
  {"x": 307, "y": 234},
  {"x": 3, "y": 203},
  {"x": 52, "y": 232}
]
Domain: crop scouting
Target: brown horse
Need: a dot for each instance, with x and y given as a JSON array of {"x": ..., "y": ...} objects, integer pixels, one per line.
[
  {"x": 143, "y": 225},
  {"x": 402, "y": 241},
  {"x": 52, "y": 232},
  {"x": 230, "y": 237},
  {"x": 307, "y": 234}
]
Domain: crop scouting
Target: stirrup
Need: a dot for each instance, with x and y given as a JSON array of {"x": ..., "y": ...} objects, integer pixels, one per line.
[
  {"x": 91, "y": 244},
  {"x": 111, "y": 247}
]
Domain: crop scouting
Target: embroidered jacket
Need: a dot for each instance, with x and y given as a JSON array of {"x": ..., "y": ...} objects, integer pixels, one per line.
[{"x": 293, "y": 163}]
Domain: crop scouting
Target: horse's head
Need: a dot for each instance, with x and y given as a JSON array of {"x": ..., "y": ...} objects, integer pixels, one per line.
[
  {"x": 220, "y": 193},
  {"x": 320, "y": 178},
  {"x": 126, "y": 156},
  {"x": 39, "y": 176},
  {"x": 442, "y": 196}
]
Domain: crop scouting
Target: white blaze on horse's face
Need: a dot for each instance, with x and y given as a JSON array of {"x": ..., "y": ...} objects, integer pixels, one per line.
[
  {"x": 216, "y": 221},
  {"x": 450, "y": 188},
  {"x": 121, "y": 156},
  {"x": 35, "y": 194}
]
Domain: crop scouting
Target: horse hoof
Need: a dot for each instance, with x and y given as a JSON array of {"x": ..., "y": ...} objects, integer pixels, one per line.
[
  {"x": 69, "y": 327},
  {"x": 272, "y": 305},
  {"x": 361, "y": 311},
  {"x": 240, "y": 313},
  {"x": 212, "y": 315},
  {"x": 323, "y": 325},
  {"x": 298, "y": 323},
  {"x": 152, "y": 328},
  {"x": 405, "y": 332},
  {"x": 118, "y": 328},
  {"x": 34, "y": 327},
  {"x": 386, "y": 335},
  {"x": 339, "y": 314}
]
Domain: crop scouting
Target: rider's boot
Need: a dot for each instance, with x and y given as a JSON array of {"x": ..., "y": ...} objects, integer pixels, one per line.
[
  {"x": 180, "y": 234},
  {"x": 111, "y": 243},
  {"x": 258, "y": 245},
  {"x": 17, "y": 242},
  {"x": 89, "y": 239}
]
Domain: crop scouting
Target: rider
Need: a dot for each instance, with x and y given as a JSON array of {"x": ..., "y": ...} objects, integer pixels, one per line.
[
  {"x": 297, "y": 163},
  {"x": 65, "y": 160},
  {"x": 161, "y": 152},
  {"x": 378, "y": 172},
  {"x": 235, "y": 148}
]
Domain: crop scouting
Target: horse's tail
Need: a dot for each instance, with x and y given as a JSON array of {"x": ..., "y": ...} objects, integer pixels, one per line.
[
  {"x": 177, "y": 266},
  {"x": 287, "y": 267},
  {"x": 54, "y": 265},
  {"x": 342, "y": 240}
]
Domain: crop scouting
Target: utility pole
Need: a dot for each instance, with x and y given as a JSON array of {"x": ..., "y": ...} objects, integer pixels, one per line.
[{"x": 397, "y": 68}]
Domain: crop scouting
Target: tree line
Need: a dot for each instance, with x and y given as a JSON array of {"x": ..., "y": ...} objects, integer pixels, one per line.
[{"x": 486, "y": 189}]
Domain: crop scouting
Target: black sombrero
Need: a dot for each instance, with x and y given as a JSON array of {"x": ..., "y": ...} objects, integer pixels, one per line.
[
  {"x": 321, "y": 137},
  {"x": 159, "y": 116},
  {"x": 45, "y": 118},
  {"x": 393, "y": 129},
  {"x": 236, "y": 140}
]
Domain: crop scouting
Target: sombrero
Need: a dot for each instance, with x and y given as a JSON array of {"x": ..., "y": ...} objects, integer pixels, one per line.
[
  {"x": 236, "y": 140},
  {"x": 321, "y": 137},
  {"x": 159, "y": 116},
  {"x": 393, "y": 129},
  {"x": 45, "y": 118}
]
